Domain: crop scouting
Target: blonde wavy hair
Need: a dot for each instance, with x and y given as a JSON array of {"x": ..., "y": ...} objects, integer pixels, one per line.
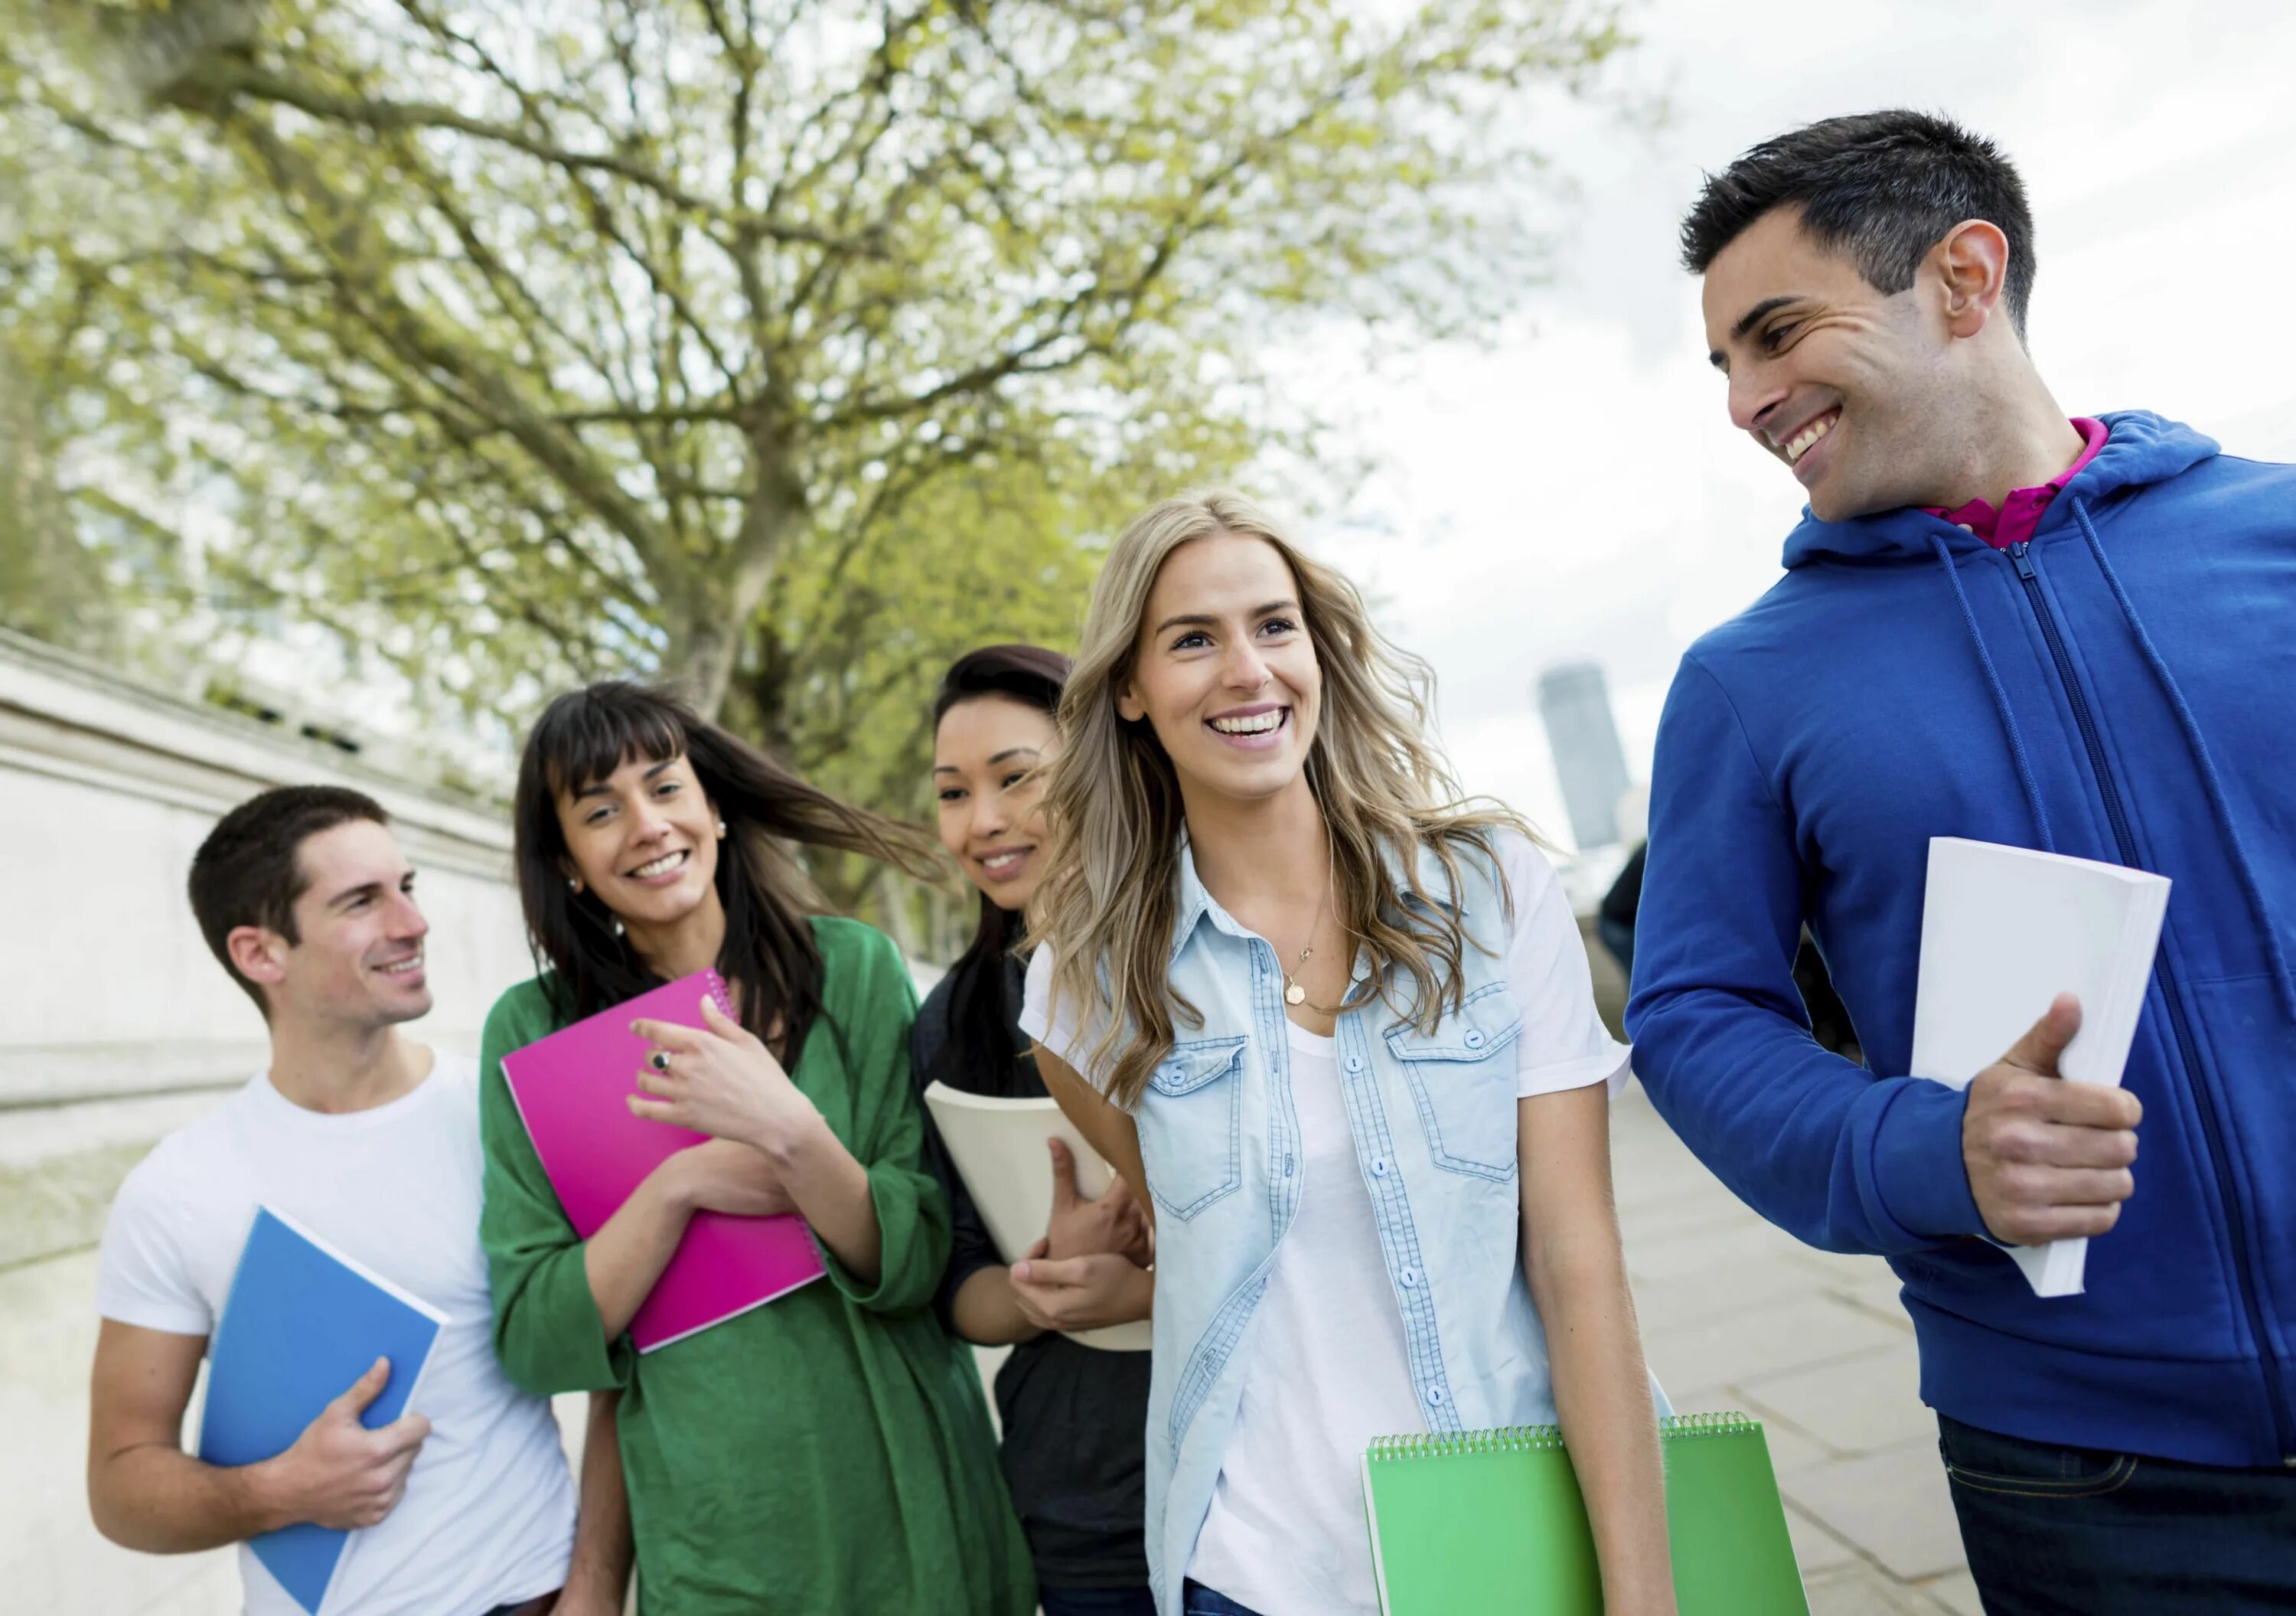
[{"x": 1109, "y": 897}]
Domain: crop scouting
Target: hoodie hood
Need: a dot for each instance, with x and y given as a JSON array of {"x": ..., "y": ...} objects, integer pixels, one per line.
[{"x": 2144, "y": 448}]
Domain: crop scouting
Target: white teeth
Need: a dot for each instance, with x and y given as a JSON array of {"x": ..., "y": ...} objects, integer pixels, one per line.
[
  {"x": 662, "y": 866},
  {"x": 1259, "y": 724},
  {"x": 1808, "y": 435},
  {"x": 404, "y": 966}
]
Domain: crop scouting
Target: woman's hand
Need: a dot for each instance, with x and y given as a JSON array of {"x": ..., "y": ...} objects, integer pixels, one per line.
[
  {"x": 728, "y": 1176},
  {"x": 1081, "y": 1293},
  {"x": 721, "y": 1081},
  {"x": 1082, "y": 1227}
]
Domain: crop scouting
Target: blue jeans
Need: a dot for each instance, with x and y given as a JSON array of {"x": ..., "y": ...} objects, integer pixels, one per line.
[
  {"x": 1097, "y": 1602},
  {"x": 1197, "y": 1600},
  {"x": 2071, "y": 1531}
]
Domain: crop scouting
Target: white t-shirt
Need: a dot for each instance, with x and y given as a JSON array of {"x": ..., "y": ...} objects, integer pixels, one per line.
[
  {"x": 1326, "y": 1366},
  {"x": 488, "y": 1517}
]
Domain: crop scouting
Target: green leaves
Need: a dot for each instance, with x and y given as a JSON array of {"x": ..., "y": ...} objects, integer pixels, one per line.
[{"x": 788, "y": 346}]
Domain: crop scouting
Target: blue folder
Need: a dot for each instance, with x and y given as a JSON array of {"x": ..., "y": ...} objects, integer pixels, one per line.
[{"x": 302, "y": 1323}]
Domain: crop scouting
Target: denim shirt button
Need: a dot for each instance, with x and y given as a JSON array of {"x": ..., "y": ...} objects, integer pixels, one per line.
[
  {"x": 1410, "y": 1277},
  {"x": 1474, "y": 1040},
  {"x": 1355, "y": 1062},
  {"x": 1435, "y": 1394},
  {"x": 1379, "y": 1167}
]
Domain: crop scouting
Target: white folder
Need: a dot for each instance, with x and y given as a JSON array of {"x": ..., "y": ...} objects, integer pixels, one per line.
[
  {"x": 999, "y": 1146},
  {"x": 2003, "y": 932}
]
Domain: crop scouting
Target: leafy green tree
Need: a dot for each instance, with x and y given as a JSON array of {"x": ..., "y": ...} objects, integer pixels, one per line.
[{"x": 786, "y": 345}]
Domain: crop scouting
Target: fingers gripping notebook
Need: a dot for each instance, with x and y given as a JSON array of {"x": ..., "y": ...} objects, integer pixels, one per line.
[{"x": 572, "y": 1090}]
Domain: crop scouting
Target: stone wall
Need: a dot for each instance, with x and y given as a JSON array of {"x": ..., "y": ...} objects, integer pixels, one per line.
[{"x": 119, "y": 1026}]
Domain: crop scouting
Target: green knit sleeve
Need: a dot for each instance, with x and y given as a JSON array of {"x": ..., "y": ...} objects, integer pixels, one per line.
[
  {"x": 869, "y": 1003},
  {"x": 547, "y": 1332}
]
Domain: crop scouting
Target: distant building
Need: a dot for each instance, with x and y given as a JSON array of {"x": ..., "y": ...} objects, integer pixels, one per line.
[{"x": 1575, "y": 701}]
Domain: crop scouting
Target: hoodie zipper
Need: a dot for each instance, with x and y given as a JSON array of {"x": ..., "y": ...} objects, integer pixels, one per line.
[{"x": 2187, "y": 1050}]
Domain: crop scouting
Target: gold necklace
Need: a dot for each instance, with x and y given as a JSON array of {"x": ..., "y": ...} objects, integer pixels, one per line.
[{"x": 1293, "y": 992}]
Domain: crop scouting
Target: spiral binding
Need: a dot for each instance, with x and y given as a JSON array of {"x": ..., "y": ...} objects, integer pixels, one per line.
[{"x": 1532, "y": 1438}]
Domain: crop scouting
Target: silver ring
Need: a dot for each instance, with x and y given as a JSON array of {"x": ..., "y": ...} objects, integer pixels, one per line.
[{"x": 659, "y": 1060}]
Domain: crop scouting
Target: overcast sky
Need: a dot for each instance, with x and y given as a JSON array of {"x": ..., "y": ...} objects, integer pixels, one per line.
[{"x": 1573, "y": 489}]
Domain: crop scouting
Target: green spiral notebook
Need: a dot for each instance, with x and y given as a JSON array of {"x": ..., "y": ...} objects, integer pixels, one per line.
[{"x": 1484, "y": 1522}]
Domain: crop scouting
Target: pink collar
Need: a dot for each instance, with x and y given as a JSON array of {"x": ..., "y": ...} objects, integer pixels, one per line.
[{"x": 2021, "y": 512}]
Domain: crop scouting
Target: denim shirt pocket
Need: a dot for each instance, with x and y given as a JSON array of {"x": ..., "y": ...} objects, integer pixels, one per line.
[
  {"x": 1192, "y": 1124},
  {"x": 1462, "y": 1080}
]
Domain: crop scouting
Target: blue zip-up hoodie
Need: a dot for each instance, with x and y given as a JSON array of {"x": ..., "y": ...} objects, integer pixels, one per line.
[{"x": 2122, "y": 688}]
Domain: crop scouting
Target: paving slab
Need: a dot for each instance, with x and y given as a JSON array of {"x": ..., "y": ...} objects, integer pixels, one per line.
[
  {"x": 1893, "y": 1506},
  {"x": 1859, "y": 1404},
  {"x": 1817, "y": 1549},
  {"x": 1955, "y": 1592},
  {"x": 1858, "y": 1589},
  {"x": 52, "y": 1558},
  {"x": 1736, "y": 1314},
  {"x": 1661, "y": 1258},
  {"x": 1750, "y": 1279},
  {"x": 1789, "y": 1334},
  {"x": 1880, "y": 1294}
]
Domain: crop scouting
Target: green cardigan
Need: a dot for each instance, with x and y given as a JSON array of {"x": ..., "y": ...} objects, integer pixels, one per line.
[{"x": 827, "y": 1454}]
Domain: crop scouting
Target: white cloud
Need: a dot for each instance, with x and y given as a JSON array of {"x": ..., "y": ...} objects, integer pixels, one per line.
[{"x": 1572, "y": 488}]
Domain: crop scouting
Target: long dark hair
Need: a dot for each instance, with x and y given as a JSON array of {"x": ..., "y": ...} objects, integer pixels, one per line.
[
  {"x": 584, "y": 737},
  {"x": 980, "y": 1020}
]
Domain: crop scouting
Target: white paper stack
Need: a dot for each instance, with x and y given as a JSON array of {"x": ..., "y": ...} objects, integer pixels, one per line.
[
  {"x": 2003, "y": 932},
  {"x": 999, "y": 1146}
]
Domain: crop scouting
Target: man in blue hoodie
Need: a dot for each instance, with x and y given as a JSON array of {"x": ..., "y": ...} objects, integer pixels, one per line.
[{"x": 2069, "y": 635}]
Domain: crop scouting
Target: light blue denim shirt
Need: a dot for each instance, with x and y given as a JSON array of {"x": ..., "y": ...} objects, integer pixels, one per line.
[{"x": 1434, "y": 1120}]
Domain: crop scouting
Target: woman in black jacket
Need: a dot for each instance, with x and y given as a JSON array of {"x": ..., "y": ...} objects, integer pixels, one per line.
[{"x": 1073, "y": 1416}]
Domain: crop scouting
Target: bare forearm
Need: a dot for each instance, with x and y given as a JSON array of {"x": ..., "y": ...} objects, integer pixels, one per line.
[
  {"x": 1602, "y": 1395},
  {"x": 986, "y": 1312},
  {"x": 831, "y": 1189},
  {"x": 626, "y": 1257},
  {"x": 160, "y": 1500},
  {"x": 603, "y": 1551}
]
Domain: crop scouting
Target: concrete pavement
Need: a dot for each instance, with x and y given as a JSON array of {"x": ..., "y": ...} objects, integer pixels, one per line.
[{"x": 1737, "y": 1314}]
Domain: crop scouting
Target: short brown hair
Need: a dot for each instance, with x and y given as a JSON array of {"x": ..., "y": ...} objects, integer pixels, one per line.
[{"x": 248, "y": 872}]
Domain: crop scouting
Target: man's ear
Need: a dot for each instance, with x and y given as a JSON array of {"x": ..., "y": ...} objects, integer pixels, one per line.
[
  {"x": 258, "y": 954},
  {"x": 1971, "y": 268}
]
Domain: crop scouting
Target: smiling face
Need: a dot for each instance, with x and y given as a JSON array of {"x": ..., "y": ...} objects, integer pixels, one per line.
[
  {"x": 644, "y": 840},
  {"x": 1854, "y": 390},
  {"x": 357, "y": 956},
  {"x": 991, "y": 813},
  {"x": 1224, "y": 671}
]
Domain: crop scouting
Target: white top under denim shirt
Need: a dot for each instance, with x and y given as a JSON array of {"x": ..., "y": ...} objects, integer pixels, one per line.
[{"x": 1338, "y": 1230}]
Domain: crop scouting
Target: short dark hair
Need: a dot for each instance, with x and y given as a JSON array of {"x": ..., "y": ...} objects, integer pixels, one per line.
[
  {"x": 250, "y": 872},
  {"x": 1881, "y": 188}
]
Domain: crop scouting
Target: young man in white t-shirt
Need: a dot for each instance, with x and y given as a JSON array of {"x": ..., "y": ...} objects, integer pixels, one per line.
[{"x": 462, "y": 1506}]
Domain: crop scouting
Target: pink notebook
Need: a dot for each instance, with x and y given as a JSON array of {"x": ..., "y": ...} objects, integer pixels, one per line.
[{"x": 570, "y": 1089}]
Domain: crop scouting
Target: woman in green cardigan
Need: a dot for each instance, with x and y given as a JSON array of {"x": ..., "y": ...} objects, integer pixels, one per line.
[{"x": 830, "y": 1452}]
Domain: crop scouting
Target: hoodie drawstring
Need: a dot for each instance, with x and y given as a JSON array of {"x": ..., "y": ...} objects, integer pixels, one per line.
[
  {"x": 2283, "y": 980},
  {"x": 2000, "y": 700}
]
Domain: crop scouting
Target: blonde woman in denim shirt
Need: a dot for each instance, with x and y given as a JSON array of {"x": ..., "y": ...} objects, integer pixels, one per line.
[{"x": 1335, "y": 1029}]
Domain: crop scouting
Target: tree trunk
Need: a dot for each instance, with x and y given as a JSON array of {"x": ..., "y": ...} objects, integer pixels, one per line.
[{"x": 720, "y": 599}]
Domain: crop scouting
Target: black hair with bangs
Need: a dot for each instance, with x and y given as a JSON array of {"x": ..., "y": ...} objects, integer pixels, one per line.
[{"x": 581, "y": 738}]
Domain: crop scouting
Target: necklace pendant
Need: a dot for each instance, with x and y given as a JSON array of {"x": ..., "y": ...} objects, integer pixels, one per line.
[{"x": 1294, "y": 993}]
